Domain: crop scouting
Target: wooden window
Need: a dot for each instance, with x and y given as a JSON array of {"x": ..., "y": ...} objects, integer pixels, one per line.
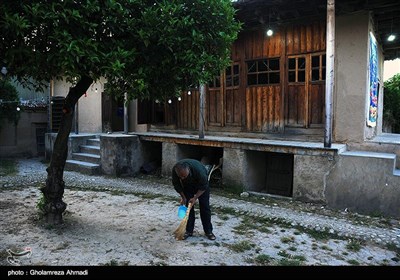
[
  {"x": 232, "y": 76},
  {"x": 318, "y": 67},
  {"x": 297, "y": 70},
  {"x": 263, "y": 72},
  {"x": 215, "y": 83}
]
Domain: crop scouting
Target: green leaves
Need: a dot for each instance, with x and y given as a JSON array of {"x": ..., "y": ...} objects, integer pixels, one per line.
[
  {"x": 146, "y": 48},
  {"x": 391, "y": 103}
]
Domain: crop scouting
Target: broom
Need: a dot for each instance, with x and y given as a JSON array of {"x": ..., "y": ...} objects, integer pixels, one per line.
[{"x": 180, "y": 231}]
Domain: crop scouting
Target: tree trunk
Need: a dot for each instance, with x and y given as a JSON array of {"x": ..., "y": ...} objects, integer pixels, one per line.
[{"x": 54, "y": 190}]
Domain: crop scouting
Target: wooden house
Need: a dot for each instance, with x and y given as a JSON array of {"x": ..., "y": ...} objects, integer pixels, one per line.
[{"x": 298, "y": 113}]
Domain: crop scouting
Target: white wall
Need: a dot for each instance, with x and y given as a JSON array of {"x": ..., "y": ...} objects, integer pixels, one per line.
[
  {"x": 391, "y": 68},
  {"x": 89, "y": 106},
  {"x": 351, "y": 77}
]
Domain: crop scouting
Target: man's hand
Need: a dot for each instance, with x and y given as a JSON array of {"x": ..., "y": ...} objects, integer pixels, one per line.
[
  {"x": 183, "y": 201},
  {"x": 193, "y": 200}
]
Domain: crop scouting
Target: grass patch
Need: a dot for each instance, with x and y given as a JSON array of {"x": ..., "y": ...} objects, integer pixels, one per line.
[
  {"x": 263, "y": 259},
  {"x": 287, "y": 239},
  {"x": 289, "y": 262},
  {"x": 292, "y": 248},
  {"x": 226, "y": 211},
  {"x": 241, "y": 246},
  {"x": 354, "y": 245},
  {"x": 392, "y": 247},
  {"x": 8, "y": 167},
  {"x": 353, "y": 262}
]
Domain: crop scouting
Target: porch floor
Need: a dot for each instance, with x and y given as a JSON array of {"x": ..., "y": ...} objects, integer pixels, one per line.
[{"x": 267, "y": 145}]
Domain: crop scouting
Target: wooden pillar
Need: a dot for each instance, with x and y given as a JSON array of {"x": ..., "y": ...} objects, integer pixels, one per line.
[
  {"x": 201, "y": 111},
  {"x": 126, "y": 113},
  {"x": 330, "y": 72}
]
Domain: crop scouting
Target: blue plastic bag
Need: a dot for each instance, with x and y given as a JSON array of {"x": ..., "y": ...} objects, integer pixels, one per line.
[{"x": 182, "y": 211}]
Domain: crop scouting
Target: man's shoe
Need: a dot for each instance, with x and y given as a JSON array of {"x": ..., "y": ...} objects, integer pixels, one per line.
[
  {"x": 187, "y": 234},
  {"x": 210, "y": 236}
]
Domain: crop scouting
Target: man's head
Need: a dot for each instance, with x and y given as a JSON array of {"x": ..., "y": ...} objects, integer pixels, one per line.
[{"x": 182, "y": 170}]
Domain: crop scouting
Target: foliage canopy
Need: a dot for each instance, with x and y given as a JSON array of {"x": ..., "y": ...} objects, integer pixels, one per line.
[
  {"x": 8, "y": 103},
  {"x": 142, "y": 47}
]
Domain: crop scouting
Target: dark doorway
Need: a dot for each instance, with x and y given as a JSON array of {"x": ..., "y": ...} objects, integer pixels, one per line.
[
  {"x": 112, "y": 114},
  {"x": 279, "y": 174}
]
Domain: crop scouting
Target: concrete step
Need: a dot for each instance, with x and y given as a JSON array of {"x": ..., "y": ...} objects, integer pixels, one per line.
[
  {"x": 87, "y": 149},
  {"x": 92, "y": 158},
  {"x": 82, "y": 167},
  {"x": 93, "y": 142},
  {"x": 384, "y": 159}
]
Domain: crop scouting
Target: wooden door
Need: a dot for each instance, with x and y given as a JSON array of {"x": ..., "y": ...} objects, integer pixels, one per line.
[
  {"x": 232, "y": 96},
  {"x": 317, "y": 90},
  {"x": 296, "y": 101},
  {"x": 215, "y": 102},
  {"x": 305, "y": 100},
  {"x": 223, "y": 99}
]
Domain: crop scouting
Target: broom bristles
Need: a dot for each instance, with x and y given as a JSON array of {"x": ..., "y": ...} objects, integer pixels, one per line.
[{"x": 180, "y": 231}]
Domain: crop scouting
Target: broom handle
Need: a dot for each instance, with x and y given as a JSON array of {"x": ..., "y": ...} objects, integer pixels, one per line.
[{"x": 188, "y": 209}]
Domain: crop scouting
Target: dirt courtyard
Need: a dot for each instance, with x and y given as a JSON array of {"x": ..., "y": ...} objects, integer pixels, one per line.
[{"x": 108, "y": 225}]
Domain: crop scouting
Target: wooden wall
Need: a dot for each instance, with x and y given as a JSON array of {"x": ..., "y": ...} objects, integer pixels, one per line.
[{"x": 259, "y": 108}]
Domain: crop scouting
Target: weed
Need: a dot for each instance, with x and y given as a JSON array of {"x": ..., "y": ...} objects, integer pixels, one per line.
[
  {"x": 292, "y": 248},
  {"x": 241, "y": 246},
  {"x": 289, "y": 262},
  {"x": 353, "y": 262},
  {"x": 263, "y": 259},
  {"x": 112, "y": 263},
  {"x": 226, "y": 211},
  {"x": 326, "y": 248},
  {"x": 287, "y": 239},
  {"x": 40, "y": 205},
  {"x": 354, "y": 245},
  {"x": 8, "y": 167}
]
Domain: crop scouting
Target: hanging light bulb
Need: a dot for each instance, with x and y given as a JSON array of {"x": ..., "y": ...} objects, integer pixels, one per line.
[
  {"x": 391, "y": 36},
  {"x": 4, "y": 70},
  {"x": 179, "y": 98},
  {"x": 270, "y": 32},
  {"x": 189, "y": 93},
  {"x": 169, "y": 101},
  {"x": 18, "y": 109}
]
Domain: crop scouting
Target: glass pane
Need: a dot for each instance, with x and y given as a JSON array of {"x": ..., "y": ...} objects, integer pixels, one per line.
[
  {"x": 235, "y": 69},
  {"x": 301, "y": 76},
  {"x": 262, "y": 79},
  {"x": 292, "y": 63},
  {"x": 315, "y": 61},
  {"x": 218, "y": 81},
  {"x": 274, "y": 64},
  {"x": 274, "y": 78},
  {"x": 302, "y": 63},
  {"x": 228, "y": 71},
  {"x": 251, "y": 79},
  {"x": 323, "y": 74},
  {"x": 262, "y": 65},
  {"x": 315, "y": 75},
  {"x": 251, "y": 67},
  {"x": 228, "y": 81},
  {"x": 324, "y": 60},
  {"x": 292, "y": 77},
  {"x": 236, "y": 80}
]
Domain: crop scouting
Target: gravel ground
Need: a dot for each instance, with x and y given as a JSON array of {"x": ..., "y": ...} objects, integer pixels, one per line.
[{"x": 130, "y": 221}]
